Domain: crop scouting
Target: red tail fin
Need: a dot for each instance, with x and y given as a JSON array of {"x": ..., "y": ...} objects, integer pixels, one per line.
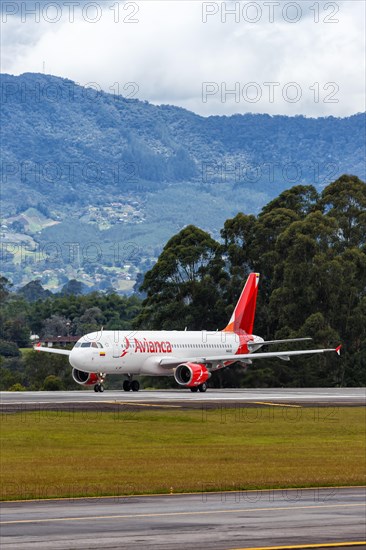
[{"x": 244, "y": 312}]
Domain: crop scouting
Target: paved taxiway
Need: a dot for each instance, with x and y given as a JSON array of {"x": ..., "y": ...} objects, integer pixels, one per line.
[
  {"x": 207, "y": 520},
  {"x": 13, "y": 401}
]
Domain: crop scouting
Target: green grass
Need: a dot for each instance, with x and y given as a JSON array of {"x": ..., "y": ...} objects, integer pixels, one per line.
[{"x": 93, "y": 453}]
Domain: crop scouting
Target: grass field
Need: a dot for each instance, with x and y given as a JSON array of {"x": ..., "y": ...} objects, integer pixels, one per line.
[{"x": 92, "y": 453}]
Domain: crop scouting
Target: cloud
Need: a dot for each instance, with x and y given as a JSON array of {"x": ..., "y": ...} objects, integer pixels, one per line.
[{"x": 172, "y": 54}]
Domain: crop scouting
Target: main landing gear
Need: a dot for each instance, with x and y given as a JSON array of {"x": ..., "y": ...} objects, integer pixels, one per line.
[
  {"x": 99, "y": 387},
  {"x": 133, "y": 385},
  {"x": 201, "y": 388}
]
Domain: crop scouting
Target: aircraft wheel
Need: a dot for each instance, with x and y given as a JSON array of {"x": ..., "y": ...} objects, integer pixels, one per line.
[
  {"x": 96, "y": 387},
  {"x": 101, "y": 388},
  {"x": 126, "y": 385},
  {"x": 135, "y": 385},
  {"x": 203, "y": 387},
  {"x": 194, "y": 389}
]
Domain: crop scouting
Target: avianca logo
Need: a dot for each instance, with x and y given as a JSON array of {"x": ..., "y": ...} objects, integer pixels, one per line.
[
  {"x": 125, "y": 351},
  {"x": 147, "y": 346}
]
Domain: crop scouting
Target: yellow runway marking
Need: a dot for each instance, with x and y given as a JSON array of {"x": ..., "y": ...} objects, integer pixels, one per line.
[
  {"x": 175, "y": 514},
  {"x": 132, "y": 403},
  {"x": 304, "y": 546},
  {"x": 277, "y": 404}
]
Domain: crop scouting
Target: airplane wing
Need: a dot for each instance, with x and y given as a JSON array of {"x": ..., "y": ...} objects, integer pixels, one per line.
[
  {"x": 220, "y": 360},
  {"x": 52, "y": 350}
]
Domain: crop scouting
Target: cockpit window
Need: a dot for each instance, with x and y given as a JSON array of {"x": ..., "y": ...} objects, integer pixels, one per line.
[
  {"x": 86, "y": 345},
  {"x": 99, "y": 345},
  {"x": 94, "y": 345},
  {"x": 77, "y": 345}
]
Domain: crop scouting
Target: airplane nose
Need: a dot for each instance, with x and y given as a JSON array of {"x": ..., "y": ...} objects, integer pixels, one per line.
[{"x": 76, "y": 358}]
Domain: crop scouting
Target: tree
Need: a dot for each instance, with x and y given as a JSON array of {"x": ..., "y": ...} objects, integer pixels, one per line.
[
  {"x": 294, "y": 296},
  {"x": 300, "y": 199},
  {"x": 38, "y": 366},
  {"x": 345, "y": 200},
  {"x": 34, "y": 291},
  {"x": 74, "y": 288},
  {"x": 310, "y": 252},
  {"x": 90, "y": 321},
  {"x": 16, "y": 329},
  {"x": 56, "y": 325},
  {"x": 184, "y": 286},
  {"x": 11, "y": 372},
  {"x": 52, "y": 383},
  {"x": 9, "y": 349},
  {"x": 5, "y": 285}
]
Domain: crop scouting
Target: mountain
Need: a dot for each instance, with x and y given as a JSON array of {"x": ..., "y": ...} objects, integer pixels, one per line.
[{"x": 91, "y": 168}]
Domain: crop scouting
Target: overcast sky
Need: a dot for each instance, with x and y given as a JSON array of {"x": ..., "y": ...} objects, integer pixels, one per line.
[{"x": 278, "y": 57}]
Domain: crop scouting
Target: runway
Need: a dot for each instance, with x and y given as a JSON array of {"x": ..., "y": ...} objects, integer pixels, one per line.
[
  {"x": 333, "y": 517},
  {"x": 182, "y": 398}
]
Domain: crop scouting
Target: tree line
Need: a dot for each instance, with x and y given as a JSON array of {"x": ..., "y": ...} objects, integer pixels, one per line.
[{"x": 310, "y": 249}]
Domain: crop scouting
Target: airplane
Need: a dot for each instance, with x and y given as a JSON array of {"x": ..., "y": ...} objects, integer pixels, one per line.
[{"x": 190, "y": 356}]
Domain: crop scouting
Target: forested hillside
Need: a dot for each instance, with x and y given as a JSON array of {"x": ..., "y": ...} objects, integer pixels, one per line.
[
  {"x": 81, "y": 166},
  {"x": 133, "y": 145},
  {"x": 310, "y": 250}
]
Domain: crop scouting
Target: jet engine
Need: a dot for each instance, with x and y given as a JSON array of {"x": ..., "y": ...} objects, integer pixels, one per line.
[
  {"x": 191, "y": 375},
  {"x": 85, "y": 378}
]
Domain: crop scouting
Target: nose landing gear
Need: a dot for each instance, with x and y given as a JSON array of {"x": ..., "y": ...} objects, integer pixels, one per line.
[{"x": 99, "y": 387}]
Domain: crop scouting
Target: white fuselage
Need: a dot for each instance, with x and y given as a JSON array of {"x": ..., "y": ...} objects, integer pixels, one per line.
[{"x": 140, "y": 352}]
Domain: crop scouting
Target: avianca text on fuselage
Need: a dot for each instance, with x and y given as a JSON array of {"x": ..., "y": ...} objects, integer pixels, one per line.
[
  {"x": 186, "y": 355},
  {"x": 148, "y": 346}
]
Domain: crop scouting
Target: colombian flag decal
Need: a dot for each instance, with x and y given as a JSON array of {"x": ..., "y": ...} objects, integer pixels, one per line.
[{"x": 102, "y": 354}]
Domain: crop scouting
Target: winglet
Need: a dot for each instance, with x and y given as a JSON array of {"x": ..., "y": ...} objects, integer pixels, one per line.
[{"x": 338, "y": 349}]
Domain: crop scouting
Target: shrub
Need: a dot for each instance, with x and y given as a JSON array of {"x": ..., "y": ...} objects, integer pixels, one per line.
[
  {"x": 17, "y": 387},
  {"x": 9, "y": 349},
  {"x": 52, "y": 383}
]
